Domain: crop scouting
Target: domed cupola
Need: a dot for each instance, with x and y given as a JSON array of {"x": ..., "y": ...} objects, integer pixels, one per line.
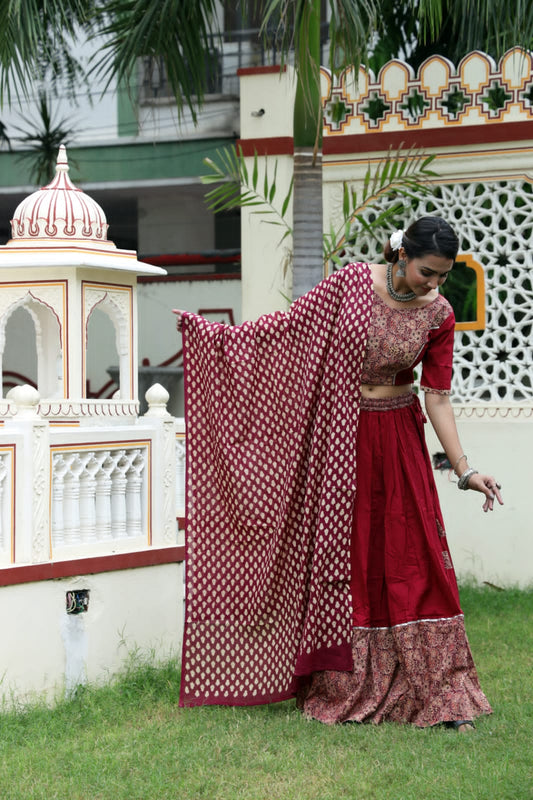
[
  {"x": 58, "y": 213},
  {"x": 60, "y": 267}
]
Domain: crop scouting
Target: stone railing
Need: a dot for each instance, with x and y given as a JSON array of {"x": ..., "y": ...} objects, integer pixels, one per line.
[
  {"x": 69, "y": 492},
  {"x": 99, "y": 495}
]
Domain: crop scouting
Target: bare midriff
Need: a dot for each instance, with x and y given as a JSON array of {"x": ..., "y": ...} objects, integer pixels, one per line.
[{"x": 379, "y": 390}]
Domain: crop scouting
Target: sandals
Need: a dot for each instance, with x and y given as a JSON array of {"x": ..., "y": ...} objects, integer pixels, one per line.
[{"x": 457, "y": 723}]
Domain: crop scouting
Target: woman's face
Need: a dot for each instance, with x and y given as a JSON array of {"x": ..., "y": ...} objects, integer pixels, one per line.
[{"x": 426, "y": 273}]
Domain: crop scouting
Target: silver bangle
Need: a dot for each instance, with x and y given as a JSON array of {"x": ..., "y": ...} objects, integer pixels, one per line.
[
  {"x": 457, "y": 462},
  {"x": 462, "y": 483}
]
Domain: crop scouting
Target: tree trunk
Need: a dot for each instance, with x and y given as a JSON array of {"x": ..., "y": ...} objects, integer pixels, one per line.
[
  {"x": 307, "y": 265},
  {"x": 307, "y": 262}
]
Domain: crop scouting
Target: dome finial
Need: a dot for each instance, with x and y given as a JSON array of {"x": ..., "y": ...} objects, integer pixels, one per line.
[{"x": 62, "y": 160}]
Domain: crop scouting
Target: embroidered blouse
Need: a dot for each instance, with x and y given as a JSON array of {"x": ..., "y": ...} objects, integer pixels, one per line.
[{"x": 399, "y": 339}]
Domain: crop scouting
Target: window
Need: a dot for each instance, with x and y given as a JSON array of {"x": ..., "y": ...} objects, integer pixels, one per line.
[{"x": 465, "y": 291}]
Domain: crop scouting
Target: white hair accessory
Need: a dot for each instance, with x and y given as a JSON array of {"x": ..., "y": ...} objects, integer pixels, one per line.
[{"x": 396, "y": 239}]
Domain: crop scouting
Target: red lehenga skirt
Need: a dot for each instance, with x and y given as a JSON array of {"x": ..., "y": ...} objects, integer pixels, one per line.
[{"x": 412, "y": 660}]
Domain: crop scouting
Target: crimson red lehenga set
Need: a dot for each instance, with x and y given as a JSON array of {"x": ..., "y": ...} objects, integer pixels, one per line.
[{"x": 317, "y": 560}]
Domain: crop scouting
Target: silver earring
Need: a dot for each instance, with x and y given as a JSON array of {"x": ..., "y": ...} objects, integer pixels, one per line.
[{"x": 400, "y": 272}]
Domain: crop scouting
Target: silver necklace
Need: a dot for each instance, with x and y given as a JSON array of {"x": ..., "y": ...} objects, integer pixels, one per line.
[{"x": 401, "y": 298}]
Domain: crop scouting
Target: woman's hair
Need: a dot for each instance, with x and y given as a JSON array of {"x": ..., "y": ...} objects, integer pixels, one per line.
[{"x": 426, "y": 236}]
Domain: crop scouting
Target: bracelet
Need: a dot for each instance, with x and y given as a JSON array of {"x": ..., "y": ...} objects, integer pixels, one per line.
[
  {"x": 458, "y": 460},
  {"x": 462, "y": 483}
]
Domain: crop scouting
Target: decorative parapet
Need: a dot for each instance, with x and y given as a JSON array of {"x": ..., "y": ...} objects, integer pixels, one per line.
[
  {"x": 490, "y": 411},
  {"x": 478, "y": 92}
]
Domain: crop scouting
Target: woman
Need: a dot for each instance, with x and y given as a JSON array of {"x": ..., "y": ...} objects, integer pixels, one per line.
[
  {"x": 317, "y": 558},
  {"x": 411, "y": 656}
]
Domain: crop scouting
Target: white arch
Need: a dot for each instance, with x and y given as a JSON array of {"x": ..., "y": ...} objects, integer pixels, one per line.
[
  {"x": 47, "y": 341},
  {"x": 121, "y": 324}
]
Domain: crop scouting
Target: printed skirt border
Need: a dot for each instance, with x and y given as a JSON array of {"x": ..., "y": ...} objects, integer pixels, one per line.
[{"x": 420, "y": 672}]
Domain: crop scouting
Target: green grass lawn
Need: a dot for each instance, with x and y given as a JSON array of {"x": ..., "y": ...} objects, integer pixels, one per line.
[{"x": 130, "y": 741}]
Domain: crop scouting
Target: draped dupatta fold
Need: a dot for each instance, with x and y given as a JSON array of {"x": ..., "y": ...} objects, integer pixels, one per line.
[{"x": 271, "y": 412}]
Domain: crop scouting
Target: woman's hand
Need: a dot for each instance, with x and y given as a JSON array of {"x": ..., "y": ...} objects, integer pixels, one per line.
[
  {"x": 440, "y": 412},
  {"x": 179, "y": 318},
  {"x": 488, "y": 486}
]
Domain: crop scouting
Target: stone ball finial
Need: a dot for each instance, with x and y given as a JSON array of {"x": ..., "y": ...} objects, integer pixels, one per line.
[
  {"x": 157, "y": 398},
  {"x": 26, "y": 399}
]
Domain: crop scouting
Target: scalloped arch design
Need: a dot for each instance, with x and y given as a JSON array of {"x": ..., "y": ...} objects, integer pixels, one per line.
[
  {"x": 116, "y": 302},
  {"x": 489, "y": 92},
  {"x": 48, "y": 335}
]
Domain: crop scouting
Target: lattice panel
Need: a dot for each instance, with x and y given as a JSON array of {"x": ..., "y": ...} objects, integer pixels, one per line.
[{"x": 494, "y": 222}]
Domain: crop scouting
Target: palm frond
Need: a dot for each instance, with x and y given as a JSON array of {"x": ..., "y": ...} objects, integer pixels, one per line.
[
  {"x": 36, "y": 42},
  {"x": 399, "y": 177},
  {"x": 43, "y": 141},
  {"x": 180, "y": 33},
  {"x": 237, "y": 188}
]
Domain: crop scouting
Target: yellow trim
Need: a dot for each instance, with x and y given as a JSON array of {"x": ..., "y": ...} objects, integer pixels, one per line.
[
  {"x": 116, "y": 444},
  {"x": 479, "y": 323},
  {"x": 365, "y": 159}
]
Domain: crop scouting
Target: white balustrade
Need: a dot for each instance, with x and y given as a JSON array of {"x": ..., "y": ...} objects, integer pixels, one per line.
[
  {"x": 71, "y": 499},
  {"x": 91, "y": 493},
  {"x": 103, "y": 496},
  {"x": 60, "y": 468},
  {"x": 118, "y": 497},
  {"x": 88, "y": 498},
  {"x": 133, "y": 494},
  {"x": 98, "y": 496},
  {"x": 180, "y": 474}
]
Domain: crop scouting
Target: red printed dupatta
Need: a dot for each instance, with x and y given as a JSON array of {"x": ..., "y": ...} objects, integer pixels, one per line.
[{"x": 272, "y": 409}]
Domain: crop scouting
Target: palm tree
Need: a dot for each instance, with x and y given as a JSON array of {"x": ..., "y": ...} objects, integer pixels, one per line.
[
  {"x": 43, "y": 142},
  {"x": 351, "y": 23},
  {"x": 36, "y": 41}
]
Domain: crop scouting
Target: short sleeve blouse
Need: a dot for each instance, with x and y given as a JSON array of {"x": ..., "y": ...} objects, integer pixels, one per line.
[{"x": 399, "y": 339}]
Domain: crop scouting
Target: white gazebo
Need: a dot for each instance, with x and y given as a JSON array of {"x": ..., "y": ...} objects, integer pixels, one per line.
[
  {"x": 91, "y": 494},
  {"x": 59, "y": 266}
]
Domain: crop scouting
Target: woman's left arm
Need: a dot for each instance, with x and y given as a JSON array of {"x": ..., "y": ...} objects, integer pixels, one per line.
[{"x": 440, "y": 412}]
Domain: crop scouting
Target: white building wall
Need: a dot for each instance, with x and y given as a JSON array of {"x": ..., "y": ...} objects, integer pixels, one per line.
[
  {"x": 157, "y": 324},
  {"x": 266, "y": 264},
  {"x": 175, "y": 222},
  {"x": 137, "y": 612},
  {"x": 496, "y": 546}
]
